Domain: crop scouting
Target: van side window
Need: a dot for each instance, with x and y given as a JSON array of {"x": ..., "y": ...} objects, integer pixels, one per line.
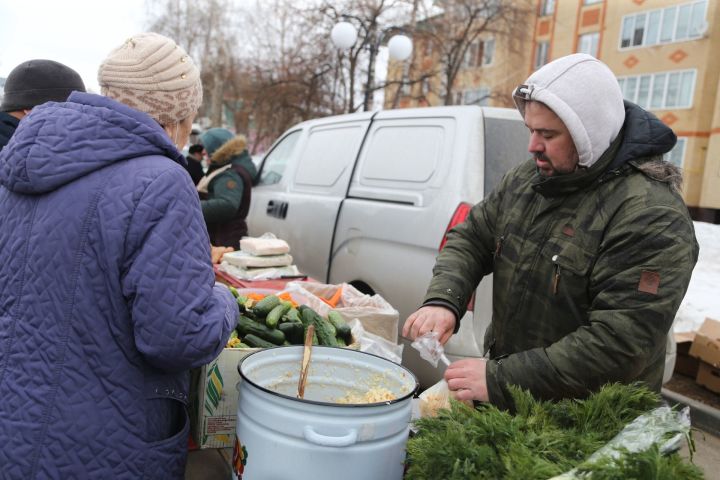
[
  {"x": 276, "y": 161},
  {"x": 404, "y": 153},
  {"x": 327, "y": 154},
  {"x": 506, "y": 143}
]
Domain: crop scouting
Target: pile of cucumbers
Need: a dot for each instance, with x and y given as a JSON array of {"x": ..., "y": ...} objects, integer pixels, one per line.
[{"x": 272, "y": 322}]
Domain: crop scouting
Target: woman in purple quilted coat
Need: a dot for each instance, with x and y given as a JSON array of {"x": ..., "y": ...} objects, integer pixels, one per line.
[{"x": 107, "y": 294}]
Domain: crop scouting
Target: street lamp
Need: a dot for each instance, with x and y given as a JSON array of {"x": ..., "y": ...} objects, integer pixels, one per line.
[{"x": 344, "y": 35}]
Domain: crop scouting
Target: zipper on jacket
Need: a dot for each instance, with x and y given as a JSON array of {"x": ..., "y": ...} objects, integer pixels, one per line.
[
  {"x": 498, "y": 246},
  {"x": 488, "y": 352},
  {"x": 556, "y": 276}
]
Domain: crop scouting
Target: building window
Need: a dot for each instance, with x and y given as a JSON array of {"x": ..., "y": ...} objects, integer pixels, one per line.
[
  {"x": 479, "y": 96},
  {"x": 665, "y": 25},
  {"x": 547, "y": 7},
  {"x": 588, "y": 43},
  {"x": 488, "y": 52},
  {"x": 425, "y": 86},
  {"x": 541, "y": 54},
  {"x": 660, "y": 90},
  {"x": 405, "y": 86},
  {"x": 676, "y": 156},
  {"x": 479, "y": 54}
]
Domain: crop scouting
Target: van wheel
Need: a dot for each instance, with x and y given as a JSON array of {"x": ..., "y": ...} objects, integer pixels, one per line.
[{"x": 363, "y": 287}]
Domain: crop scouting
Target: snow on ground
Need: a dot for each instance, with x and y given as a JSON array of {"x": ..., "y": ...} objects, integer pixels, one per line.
[{"x": 703, "y": 296}]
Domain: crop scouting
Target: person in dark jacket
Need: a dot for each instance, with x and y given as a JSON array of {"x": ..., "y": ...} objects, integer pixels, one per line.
[
  {"x": 30, "y": 84},
  {"x": 590, "y": 245},
  {"x": 226, "y": 189},
  {"x": 194, "y": 162},
  {"x": 107, "y": 293}
]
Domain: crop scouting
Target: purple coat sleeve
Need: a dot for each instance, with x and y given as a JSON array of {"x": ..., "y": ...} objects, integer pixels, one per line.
[{"x": 181, "y": 319}]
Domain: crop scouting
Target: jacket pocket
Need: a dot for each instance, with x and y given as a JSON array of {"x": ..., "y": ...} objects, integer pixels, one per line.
[
  {"x": 165, "y": 459},
  {"x": 570, "y": 267}
]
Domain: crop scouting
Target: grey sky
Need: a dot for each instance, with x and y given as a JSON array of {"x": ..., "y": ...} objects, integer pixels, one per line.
[{"x": 78, "y": 33}]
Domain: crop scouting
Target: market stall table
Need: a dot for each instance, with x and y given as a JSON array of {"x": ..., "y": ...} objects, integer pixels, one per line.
[{"x": 270, "y": 284}]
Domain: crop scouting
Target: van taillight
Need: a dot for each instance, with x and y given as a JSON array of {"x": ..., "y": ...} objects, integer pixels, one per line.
[{"x": 461, "y": 213}]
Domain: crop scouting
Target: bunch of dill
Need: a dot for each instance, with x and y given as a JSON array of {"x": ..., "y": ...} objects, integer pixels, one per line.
[{"x": 541, "y": 440}]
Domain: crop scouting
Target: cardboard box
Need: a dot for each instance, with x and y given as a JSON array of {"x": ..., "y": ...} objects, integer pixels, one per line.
[
  {"x": 214, "y": 400},
  {"x": 709, "y": 377},
  {"x": 684, "y": 363},
  {"x": 706, "y": 345}
]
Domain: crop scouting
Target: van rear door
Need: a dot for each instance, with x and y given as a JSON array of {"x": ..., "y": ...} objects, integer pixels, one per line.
[{"x": 302, "y": 183}]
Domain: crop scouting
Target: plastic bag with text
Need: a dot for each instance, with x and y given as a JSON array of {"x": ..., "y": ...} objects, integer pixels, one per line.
[
  {"x": 375, "y": 344},
  {"x": 374, "y": 312}
]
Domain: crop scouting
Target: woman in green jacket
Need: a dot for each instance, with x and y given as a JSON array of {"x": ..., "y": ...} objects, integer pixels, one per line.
[{"x": 225, "y": 191}]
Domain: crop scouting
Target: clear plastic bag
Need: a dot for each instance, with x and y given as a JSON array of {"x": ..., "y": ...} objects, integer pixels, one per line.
[
  {"x": 375, "y": 344},
  {"x": 430, "y": 348},
  {"x": 434, "y": 398},
  {"x": 662, "y": 426},
  {"x": 437, "y": 396}
]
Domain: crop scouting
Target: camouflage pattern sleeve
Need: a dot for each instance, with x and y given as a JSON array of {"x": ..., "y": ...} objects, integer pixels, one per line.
[
  {"x": 636, "y": 285},
  {"x": 467, "y": 255}
]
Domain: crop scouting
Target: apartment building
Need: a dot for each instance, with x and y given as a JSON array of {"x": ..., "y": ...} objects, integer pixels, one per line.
[
  {"x": 661, "y": 52},
  {"x": 493, "y": 64}
]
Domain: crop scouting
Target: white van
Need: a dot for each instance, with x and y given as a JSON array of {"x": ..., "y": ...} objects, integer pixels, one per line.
[{"x": 367, "y": 199}]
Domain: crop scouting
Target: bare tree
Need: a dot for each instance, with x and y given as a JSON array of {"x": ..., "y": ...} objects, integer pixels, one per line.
[
  {"x": 375, "y": 21},
  {"x": 289, "y": 74},
  {"x": 460, "y": 23},
  {"x": 207, "y": 30}
]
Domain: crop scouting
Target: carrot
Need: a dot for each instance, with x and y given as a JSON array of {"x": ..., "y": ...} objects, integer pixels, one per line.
[
  {"x": 333, "y": 301},
  {"x": 286, "y": 296},
  {"x": 256, "y": 296}
]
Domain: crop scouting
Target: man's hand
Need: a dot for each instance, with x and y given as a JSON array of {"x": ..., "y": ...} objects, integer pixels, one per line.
[
  {"x": 466, "y": 379},
  {"x": 430, "y": 319}
]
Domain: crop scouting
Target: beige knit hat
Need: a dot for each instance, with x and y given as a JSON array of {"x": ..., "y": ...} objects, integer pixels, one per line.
[{"x": 151, "y": 73}]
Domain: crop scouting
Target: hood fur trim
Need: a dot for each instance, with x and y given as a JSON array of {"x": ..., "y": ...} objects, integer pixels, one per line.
[{"x": 229, "y": 149}]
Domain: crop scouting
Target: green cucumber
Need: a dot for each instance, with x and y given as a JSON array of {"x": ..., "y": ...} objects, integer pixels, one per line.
[
  {"x": 264, "y": 306},
  {"x": 292, "y": 315},
  {"x": 248, "y": 326},
  {"x": 293, "y": 332},
  {"x": 325, "y": 332},
  {"x": 254, "y": 341},
  {"x": 274, "y": 316},
  {"x": 343, "y": 329}
]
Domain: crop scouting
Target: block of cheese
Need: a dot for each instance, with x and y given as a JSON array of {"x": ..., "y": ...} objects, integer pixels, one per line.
[
  {"x": 247, "y": 260},
  {"x": 264, "y": 246}
]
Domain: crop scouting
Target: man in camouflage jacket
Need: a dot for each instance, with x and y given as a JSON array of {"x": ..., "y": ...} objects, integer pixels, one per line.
[{"x": 590, "y": 245}]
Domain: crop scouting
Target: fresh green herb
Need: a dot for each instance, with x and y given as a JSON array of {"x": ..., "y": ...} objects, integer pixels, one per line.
[{"x": 541, "y": 440}]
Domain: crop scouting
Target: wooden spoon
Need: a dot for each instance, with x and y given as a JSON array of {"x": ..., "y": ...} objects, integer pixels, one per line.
[{"x": 307, "y": 352}]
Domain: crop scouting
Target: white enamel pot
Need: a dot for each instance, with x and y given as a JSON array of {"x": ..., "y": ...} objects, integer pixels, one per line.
[{"x": 282, "y": 437}]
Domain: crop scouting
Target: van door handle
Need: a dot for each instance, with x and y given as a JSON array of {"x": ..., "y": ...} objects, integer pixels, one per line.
[{"x": 277, "y": 209}]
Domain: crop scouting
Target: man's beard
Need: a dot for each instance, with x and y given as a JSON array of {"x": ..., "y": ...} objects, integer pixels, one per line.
[{"x": 542, "y": 157}]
